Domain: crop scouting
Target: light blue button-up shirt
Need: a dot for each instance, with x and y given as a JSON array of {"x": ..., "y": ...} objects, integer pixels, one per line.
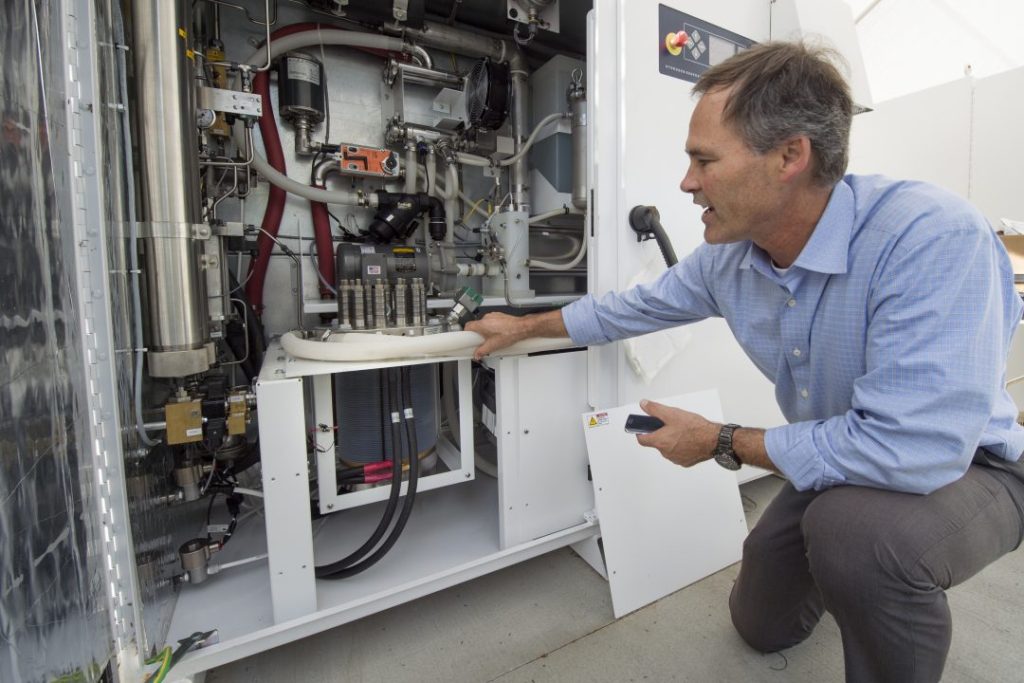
[{"x": 886, "y": 340}]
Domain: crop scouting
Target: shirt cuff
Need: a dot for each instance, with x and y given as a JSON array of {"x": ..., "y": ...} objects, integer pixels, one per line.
[
  {"x": 795, "y": 450},
  {"x": 580, "y": 320}
]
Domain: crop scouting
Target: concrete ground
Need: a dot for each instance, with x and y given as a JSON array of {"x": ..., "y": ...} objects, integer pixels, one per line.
[{"x": 550, "y": 619}]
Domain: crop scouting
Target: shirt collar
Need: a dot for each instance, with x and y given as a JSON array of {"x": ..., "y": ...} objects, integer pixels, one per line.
[{"x": 827, "y": 251}]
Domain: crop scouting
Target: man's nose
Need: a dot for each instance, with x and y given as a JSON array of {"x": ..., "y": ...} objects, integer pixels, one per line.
[{"x": 689, "y": 183}]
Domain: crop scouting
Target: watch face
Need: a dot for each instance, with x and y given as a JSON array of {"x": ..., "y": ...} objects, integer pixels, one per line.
[{"x": 727, "y": 459}]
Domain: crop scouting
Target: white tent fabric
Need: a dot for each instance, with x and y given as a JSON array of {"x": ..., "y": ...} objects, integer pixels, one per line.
[{"x": 910, "y": 45}]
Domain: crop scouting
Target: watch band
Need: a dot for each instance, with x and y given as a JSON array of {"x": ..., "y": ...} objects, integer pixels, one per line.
[{"x": 725, "y": 454}]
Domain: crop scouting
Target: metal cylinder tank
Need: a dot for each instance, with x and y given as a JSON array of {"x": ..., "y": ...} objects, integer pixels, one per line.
[
  {"x": 169, "y": 206},
  {"x": 577, "y": 96},
  {"x": 300, "y": 88}
]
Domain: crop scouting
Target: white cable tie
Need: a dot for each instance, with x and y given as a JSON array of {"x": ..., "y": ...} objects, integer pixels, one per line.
[
  {"x": 396, "y": 417},
  {"x": 408, "y": 413}
]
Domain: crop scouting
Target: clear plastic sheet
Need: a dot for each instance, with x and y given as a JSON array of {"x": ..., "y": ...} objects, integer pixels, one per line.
[
  {"x": 53, "y": 615},
  {"x": 158, "y": 528}
]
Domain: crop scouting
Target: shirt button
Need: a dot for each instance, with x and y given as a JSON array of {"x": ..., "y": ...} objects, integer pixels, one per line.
[
  {"x": 803, "y": 393},
  {"x": 791, "y": 303},
  {"x": 796, "y": 352}
]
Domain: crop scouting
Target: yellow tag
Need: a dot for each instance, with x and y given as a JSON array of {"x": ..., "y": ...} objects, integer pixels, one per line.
[
  {"x": 181, "y": 32},
  {"x": 191, "y": 55}
]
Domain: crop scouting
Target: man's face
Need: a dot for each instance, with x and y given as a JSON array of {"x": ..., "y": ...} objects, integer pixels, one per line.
[{"x": 733, "y": 183}]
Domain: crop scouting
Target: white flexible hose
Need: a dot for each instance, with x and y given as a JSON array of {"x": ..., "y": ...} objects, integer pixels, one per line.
[
  {"x": 564, "y": 211},
  {"x": 533, "y": 136},
  {"x": 475, "y": 160},
  {"x": 535, "y": 263},
  {"x": 314, "y": 194},
  {"x": 366, "y": 347},
  {"x": 332, "y": 36}
]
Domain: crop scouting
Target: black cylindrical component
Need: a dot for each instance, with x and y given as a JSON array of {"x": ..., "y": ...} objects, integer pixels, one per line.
[
  {"x": 371, "y": 262},
  {"x": 394, "y": 218},
  {"x": 300, "y": 88},
  {"x": 396, "y": 212},
  {"x": 436, "y": 224}
]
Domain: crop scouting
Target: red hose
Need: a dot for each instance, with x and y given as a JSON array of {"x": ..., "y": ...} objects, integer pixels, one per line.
[
  {"x": 324, "y": 245},
  {"x": 275, "y": 202}
]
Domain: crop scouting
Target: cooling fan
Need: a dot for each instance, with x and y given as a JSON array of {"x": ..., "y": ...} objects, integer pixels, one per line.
[{"x": 488, "y": 93}]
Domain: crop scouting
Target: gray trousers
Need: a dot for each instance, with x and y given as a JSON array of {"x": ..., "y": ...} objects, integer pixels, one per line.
[{"x": 879, "y": 562}]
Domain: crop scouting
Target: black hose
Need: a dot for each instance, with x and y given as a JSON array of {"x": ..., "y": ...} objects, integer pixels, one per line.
[
  {"x": 389, "y": 403},
  {"x": 646, "y": 223},
  {"x": 410, "y": 496}
]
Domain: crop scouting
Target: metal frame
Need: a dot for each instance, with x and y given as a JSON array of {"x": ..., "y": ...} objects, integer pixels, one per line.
[
  {"x": 286, "y": 490},
  {"x": 280, "y": 392},
  {"x": 459, "y": 463},
  {"x": 93, "y": 292}
]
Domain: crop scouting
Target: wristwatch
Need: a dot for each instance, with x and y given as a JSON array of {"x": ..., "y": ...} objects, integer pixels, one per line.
[{"x": 724, "y": 455}]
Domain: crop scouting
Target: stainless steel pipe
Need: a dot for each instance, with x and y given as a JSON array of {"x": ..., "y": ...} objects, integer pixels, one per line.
[
  {"x": 577, "y": 96},
  {"x": 170, "y": 206}
]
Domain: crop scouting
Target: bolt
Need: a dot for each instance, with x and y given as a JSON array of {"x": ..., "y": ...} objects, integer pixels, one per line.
[
  {"x": 330, "y": 506},
  {"x": 526, "y": 431}
]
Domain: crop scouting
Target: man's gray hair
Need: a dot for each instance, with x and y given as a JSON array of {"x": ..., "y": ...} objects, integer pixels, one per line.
[{"x": 781, "y": 90}]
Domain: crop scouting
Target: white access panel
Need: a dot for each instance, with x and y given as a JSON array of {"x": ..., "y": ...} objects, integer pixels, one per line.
[
  {"x": 997, "y": 153},
  {"x": 922, "y": 136},
  {"x": 543, "y": 483},
  {"x": 663, "y": 526},
  {"x": 637, "y": 139}
]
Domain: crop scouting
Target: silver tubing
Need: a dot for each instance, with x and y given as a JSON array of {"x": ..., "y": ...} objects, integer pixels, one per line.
[
  {"x": 169, "y": 171},
  {"x": 577, "y": 96},
  {"x": 425, "y": 76}
]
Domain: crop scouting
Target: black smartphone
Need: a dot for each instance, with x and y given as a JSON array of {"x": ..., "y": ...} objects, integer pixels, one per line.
[{"x": 643, "y": 424}]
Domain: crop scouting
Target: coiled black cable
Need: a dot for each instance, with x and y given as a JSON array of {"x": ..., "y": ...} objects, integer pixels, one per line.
[
  {"x": 388, "y": 405},
  {"x": 345, "y": 568}
]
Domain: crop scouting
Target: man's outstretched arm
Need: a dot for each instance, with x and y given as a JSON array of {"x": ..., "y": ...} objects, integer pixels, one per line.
[{"x": 500, "y": 330}]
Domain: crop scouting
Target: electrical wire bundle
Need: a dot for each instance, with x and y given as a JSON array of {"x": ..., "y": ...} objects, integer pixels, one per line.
[
  {"x": 396, "y": 403},
  {"x": 370, "y": 473}
]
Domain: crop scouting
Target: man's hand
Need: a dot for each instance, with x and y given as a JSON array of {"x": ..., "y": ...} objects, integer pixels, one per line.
[
  {"x": 498, "y": 330},
  {"x": 686, "y": 439}
]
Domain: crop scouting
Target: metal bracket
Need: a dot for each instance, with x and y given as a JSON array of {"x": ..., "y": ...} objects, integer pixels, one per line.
[
  {"x": 230, "y": 102},
  {"x": 229, "y": 229},
  {"x": 401, "y": 10},
  {"x": 542, "y": 13}
]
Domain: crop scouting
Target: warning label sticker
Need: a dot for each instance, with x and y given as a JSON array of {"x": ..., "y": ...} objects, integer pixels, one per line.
[{"x": 597, "y": 419}]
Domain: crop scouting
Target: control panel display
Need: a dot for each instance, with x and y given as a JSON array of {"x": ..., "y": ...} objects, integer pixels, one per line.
[{"x": 687, "y": 46}]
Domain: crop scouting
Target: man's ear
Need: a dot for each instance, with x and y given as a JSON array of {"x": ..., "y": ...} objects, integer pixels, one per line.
[{"x": 795, "y": 158}]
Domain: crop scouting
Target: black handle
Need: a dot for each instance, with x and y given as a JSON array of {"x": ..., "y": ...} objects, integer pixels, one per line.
[{"x": 646, "y": 223}]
